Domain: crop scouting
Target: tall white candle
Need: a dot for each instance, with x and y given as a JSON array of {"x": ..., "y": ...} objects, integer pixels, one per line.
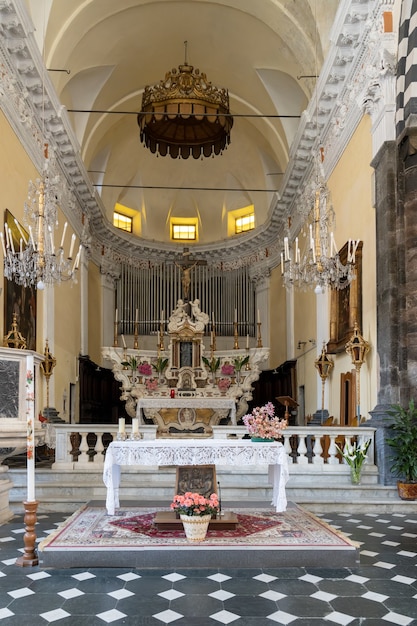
[
  {"x": 123, "y": 341},
  {"x": 282, "y": 263},
  {"x": 135, "y": 425},
  {"x": 162, "y": 316},
  {"x": 71, "y": 246},
  {"x": 2, "y": 244},
  {"x": 121, "y": 425},
  {"x": 116, "y": 317},
  {"x": 259, "y": 317},
  {"x": 30, "y": 416},
  {"x": 286, "y": 249},
  {"x": 137, "y": 316},
  {"x": 247, "y": 342},
  {"x": 235, "y": 315},
  {"x": 212, "y": 318},
  {"x": 61, "y": 245}
]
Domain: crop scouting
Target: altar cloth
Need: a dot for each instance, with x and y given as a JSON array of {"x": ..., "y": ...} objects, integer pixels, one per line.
[{"x": 239, "y": 452}]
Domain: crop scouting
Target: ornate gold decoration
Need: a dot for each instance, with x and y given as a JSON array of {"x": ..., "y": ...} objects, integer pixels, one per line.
[
  {"x": 47, "y": 366},
  {"x": 185, "y": 115},
  {"x": 14, "y": 338}
]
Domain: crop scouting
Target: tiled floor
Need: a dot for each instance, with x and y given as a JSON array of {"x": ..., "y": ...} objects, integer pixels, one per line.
[{"x": 382, "y": 590}]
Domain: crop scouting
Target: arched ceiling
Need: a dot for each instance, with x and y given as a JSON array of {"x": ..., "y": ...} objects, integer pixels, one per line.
[{"x": 265, "y": 52}]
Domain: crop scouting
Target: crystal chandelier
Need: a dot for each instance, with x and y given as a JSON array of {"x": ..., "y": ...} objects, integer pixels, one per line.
[
  {"x": 320, "y": 266},
  {"x": 32, "y": 258},
  {"x": 185, "y": 115}
]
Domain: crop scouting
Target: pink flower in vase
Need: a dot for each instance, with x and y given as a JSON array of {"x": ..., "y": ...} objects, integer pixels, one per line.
[
  {"x": 151, "y": 384},
  {"x": 223, "y": 384},
  {"x": 228, "y": 369},
  {"x": 145, "y": 369}
]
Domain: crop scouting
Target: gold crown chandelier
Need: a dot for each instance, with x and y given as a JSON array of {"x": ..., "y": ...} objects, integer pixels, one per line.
[{"x": 185, "y": 115}]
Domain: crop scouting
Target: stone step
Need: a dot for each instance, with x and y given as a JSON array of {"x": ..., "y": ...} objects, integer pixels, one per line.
[{"x": 320, "y": 492}]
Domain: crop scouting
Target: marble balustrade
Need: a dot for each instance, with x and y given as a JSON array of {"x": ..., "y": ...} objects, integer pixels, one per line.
[{"x": 82, "y": 446}]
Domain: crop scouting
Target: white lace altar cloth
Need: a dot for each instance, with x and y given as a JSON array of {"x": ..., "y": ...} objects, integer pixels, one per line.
[
  {"x": 192, "y": 403},
  {"x": 156, "y": 452}
]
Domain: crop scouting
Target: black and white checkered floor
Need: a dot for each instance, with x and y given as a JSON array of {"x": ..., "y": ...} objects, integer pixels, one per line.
[{"x": 382, "y": 590}]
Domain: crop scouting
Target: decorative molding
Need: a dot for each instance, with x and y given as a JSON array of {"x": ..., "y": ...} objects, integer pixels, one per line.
[{"x": 344, "y": 91}]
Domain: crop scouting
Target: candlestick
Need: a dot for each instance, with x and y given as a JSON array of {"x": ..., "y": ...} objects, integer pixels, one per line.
[
  {"x": 135, "y": 336},
  {"x": 115, "y": 340},
  {"x": 259, "y": 342},
  {"x": 236, "y": 337}
]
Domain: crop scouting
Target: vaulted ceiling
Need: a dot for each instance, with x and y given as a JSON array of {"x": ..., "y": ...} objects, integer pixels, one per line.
[{"x": 101, "y": 54}]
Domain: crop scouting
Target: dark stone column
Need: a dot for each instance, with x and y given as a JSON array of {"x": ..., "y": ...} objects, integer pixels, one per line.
[
  {"x": 387, "y": 272},
  {"x": 389, "y": 281}
]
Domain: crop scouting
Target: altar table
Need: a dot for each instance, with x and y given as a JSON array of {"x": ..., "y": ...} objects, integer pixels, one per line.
[
  {"x": 182, "y": 403},
  {"x": 156, "y": 452}
]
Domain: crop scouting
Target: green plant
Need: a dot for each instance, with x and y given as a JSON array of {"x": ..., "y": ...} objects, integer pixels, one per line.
[
  {"x": 239, "y": 362},
  {"x": 160, "y": 364},
  {"x": 404, "y": 441},
  {"x": 132, "y": 363},
  {"x": 212, "y": 364},
  {"x": 355, "y": 454}
]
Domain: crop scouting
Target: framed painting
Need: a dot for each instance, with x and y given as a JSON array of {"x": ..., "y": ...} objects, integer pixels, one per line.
[
  {"x": 346, "y": 305},
  {"x": 18, "y": 299},
  {"x": 197, "y": 479}
]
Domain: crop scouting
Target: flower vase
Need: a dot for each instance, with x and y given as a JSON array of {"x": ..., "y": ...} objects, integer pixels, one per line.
[
  {"x": 355, "y": 475},
  {"x": 262, "y": 439},
  {"x": 195, "y": 526}
]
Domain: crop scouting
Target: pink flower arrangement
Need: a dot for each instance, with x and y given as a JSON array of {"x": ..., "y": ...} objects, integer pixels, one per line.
[
  {"x": 145, "y": 369},
  {"x": 195, "y": 504},
  {"x": 223, "y": 384},
  {"x": 263, "y": 422},
  {"x": 227, "y": 369},
  {"x": 151, "y": 384}
]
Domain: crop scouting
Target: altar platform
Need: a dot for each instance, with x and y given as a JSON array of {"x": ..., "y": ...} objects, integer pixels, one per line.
[{"x": 262, "y": 538}]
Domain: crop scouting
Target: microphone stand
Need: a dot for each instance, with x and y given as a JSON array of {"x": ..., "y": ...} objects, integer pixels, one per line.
[{"x": 220, "y": 499}]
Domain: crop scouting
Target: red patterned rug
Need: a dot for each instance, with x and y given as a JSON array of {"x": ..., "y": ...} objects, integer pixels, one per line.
[
  {"x": 90, "y": 528},
  {"x": 247, "y": 525}
]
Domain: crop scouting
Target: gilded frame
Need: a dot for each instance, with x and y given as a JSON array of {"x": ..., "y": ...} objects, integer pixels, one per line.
[{"x": 346, "y": 305}]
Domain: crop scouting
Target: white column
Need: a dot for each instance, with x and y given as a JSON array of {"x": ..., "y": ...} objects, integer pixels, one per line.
[
  {"x": 322, "y": 333},
  {"x": 83, "y": 278}
]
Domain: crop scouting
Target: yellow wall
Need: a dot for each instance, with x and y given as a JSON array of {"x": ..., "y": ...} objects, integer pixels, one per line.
[
  {"x": 94, "y": 313},
  {"x": 16, "y": 170},
  {"x": 351, "y": 186}
]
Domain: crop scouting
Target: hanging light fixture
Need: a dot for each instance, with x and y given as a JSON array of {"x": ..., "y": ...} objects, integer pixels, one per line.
[
  {"x": 33, "y": 258},
  {"x": 320, "y": 266},
  {"x": 185, "y": 115}
]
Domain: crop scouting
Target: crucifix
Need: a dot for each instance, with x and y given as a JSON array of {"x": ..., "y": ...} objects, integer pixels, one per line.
[{"x": 186, "y": 266}]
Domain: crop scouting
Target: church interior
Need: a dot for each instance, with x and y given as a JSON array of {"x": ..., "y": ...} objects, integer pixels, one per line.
[{"x": 208, "y": 207}]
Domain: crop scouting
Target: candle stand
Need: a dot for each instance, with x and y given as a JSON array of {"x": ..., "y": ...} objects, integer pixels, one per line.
[{"x": 29, "y": 558}]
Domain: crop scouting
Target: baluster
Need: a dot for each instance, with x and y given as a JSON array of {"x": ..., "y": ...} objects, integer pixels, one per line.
[
  {"x": 317, "y": 452},
  {"x": 287, "y": 447},
  {"x": 332, "y": 460},
  {"x": 99, "y": 449},
  {"x": 302, "y": 450},
  {"x": 84, "y": 448}
]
